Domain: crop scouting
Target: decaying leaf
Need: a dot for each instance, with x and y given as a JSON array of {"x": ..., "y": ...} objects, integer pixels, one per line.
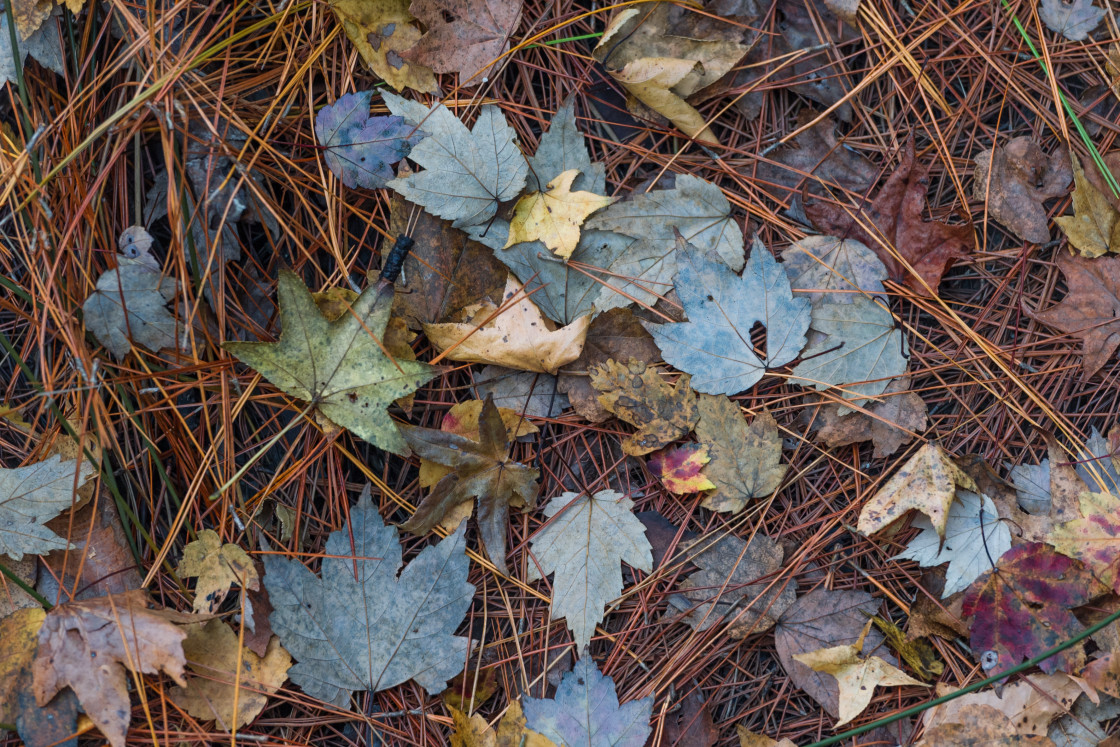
[
  {"x": 52, "y": 725},
  {"x": 212, "y": 688},
  {"x": 897, "y": 231},
  {"x": 927, "y": 482},
  {"x": 714, "y": 345},
  {"x": 1031, "y": 705},
  {"x": 1091, "y": 309},
  {"x": 749, "y": 738},
  {"x": 217, "y": 567},
  {"x": 382, "y": 30},
  {"x": 1093, "y": 537},
  {"x": 472, "y": 686},
  {"x": 583, "y": 544},
  {"x": 13, "y": 597},
  {"x": 856, "y": 676},
  {"x": 467, "y": 171},
  {"x": 1015, "y": 179},
  {"x": 1073, "y": 19},
  {"x": 916, "y": 652},
  {"x": 360, "y": 149},
  {"x": 830, "y": 270},
  {"x": 395, "y": 628},
  {"x": 462, "y": 420},
  {"x": 980, "y": 726},
  {"x": 130, "y": 303},
  {"x": 1097, "y": 464},
  {"x": 45, "y": 46},
  {"x": 99, "y": 561},
  {"x": 888, "y": 423},
  {"x": 33, "y": 494},
  {"x": 1094, "y": 228},
  {"x": 736, "y": 585},
  {"x": 638, "y": 395},
  {"x": 1022, "y": 608},
  {"x": 586, "y": 711},
  {"x": 1084, "y": 726},
  {"x": 1053, "y": 502},
  {"x": 678, "y": 468},
  {"x": 532, "y": 395},
  {"x": 463, "y": 37},
  {"x": 973, "y": 538},
  {"x": 514, "y": 335},
  {"x": 554, "y": 216},
  {"x": 1032, "y": 486},
  {"x": 745, "y": 459},
  {"x": 341, "y": 367},
  {"x": 473, "y": 731},
  {"x": 484, "y": 470},
  {"x": 691, "y": 724},
  {"x": 90, "y": 646}
]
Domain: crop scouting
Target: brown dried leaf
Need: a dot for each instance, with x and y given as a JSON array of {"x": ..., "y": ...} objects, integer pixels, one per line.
[
  {"x": 981, "y": 726},
  {"x": 464, "y": 36},
  {"x": 889, "y": 423},
  {"x": 462, "y": 420},
  {"x": 1094, "y": 228},
  {"x": 1030, "y": 705},
  {"x": 1015, "y": 180},
  {"x": 101, "y": 562},
  {"x": 691, "y": 724},
  {"x": 639, "y": 396}
]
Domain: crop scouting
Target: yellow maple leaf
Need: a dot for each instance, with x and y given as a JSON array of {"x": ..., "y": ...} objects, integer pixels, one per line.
[
  {"x": 217, "y": 567},
  {"x": 1094, "y": 228},
  {"x": 555, "y": 215}
]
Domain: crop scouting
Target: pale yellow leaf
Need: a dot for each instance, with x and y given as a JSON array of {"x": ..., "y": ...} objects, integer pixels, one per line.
[
  {"x": 217, "y": 567},
  {"x": 928, "y": 483},
  {"x": 555, "y": 215}
]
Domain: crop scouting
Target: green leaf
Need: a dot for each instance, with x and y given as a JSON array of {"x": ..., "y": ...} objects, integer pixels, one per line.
[{"x": 745, "y": 460}]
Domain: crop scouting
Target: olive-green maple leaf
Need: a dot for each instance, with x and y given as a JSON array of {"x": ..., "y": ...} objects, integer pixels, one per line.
[{"x": 341, "y": 367}]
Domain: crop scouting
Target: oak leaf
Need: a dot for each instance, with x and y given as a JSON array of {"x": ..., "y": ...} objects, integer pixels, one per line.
[
  {"x": 1015, "y": 179},
  {"x": 745, "y": 459},
  {"x": 217, "y": 567},
  {"x": 1094, "y": 228},
  {"x": 360, "y": 149},
  {"x": 382, "y": 30},
  {"x": 30, "y": 496},
  {"x": 678, "y": 468},
  {"x": 463, "y": 37},
  {"x": 553, "y": 216},
  {"x": 637, "y": 394},
  {"x": 341, "y": 367}
]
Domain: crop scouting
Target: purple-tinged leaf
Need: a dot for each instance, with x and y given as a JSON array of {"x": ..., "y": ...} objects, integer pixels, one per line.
[
  {"x": 586, "y": 711},
  {"x": 360, "y": 149}
]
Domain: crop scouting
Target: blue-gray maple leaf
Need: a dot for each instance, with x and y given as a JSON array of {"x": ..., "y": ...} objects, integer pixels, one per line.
[
  {"x": 360, "y": 149},
  {"x": 715, "y": 345},
  {"x": 360, "y": 626},
  {"x": 34, "y": 494}
]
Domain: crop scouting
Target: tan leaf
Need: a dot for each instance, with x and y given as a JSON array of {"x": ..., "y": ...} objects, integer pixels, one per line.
[
  {"x": 213, "y": 657},
  {"x": 748, "y": 738},
  {"x": 554, "y": 216},
  {"x": 928, "y": 482},
  {"x": 217, "y": 567},
  {"x": 1094, "y": 228},
  {"x": 19, "y": 632},
  {"x": 638, "y": 395},
  {"x": 651, "y": 79},
  {"x": 981, "y": 726},
  {"x": 888, "y": 423},
  {"x": 1029, "y": 705},
  {"x": 473, "y": 731},
  {"x": 30, "y": 15},
  {"x": 381, "y": 30},
  {"x": 1015, "y": 180},
  {"x": 745, "y": 459},
  {"x": 516, "y": 337}
]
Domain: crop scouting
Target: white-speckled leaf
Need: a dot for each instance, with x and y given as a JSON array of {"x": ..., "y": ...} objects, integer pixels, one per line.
[
  {"x": 33, "y": 495},
  {"x": 586, "y": 712},
  {"x": 714, "y": 345},
  {"x": 583, "y": 545},
  {"x": 358, "y": 626},
  {"x": 826, "y": 269}
]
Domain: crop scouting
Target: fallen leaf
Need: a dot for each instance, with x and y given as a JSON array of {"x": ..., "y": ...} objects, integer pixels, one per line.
[
  {"x": 217, "y": 567},
  {"x": 896, "y": 225},
  {"x": 90, "y": 646},
  {"x": 1083, "y": 727},
  {"x": 613, "y": 334},
  {"x": 462, "y": 420},
  {"x": 695, "y": 208},
  {"x": 1015, "y": 179},
  {"x": 733, "y": 586},
  {"x": 473, "y": 731},
  {"x": 583, "y": 544},
  {"x": 980, "y": 726},
  {"x": 678, "y": 468},
  {"x": 1094, "y": 228},
  {"x": 463, "y": 37},
  {"x": 514, "y": 335},
  {"x": 586, "y": 711},
  {"x": 637, "y": 394},
  {"x": 211, "y": 693},
  {"x": 1093, "y": 537},
  {"x": 29, "y": 15},
  {"x": 927, "y": 482},
  {"x": 715, "y": 344},
  {"x": 1073, "y": 19},
  {"x": 748, "y": 738},
  {"x": 258, "y": 629},
  {"x": 382, "y": 30},
  {"x": 32, "y": 494},
  {"x": 917, "y": 652},
  {"x": 554, "y": 215},
  {"x": 1091, "y": 309},
  {"x": 1060, "y": 502},
  {"x": 888, "y": 423},
  {"x": 484, "y": 470},
  {"x": 691, "y": 724},
  {"x": 857, "y": 350},
  {"x": 533, "y": 395},
  {"x": 1029, "y": 705},
  {"x": 359, "y": 149},
  {"x": 45, "y": 46},
  {"x": 817, "y": 620},
  {"x": 830, "y": 270},
  {"x": 471, "y": 689},
  {"x": 467, "y": 172},
  {"x": 929, "y": 617},
  {"x": 745, "y": 459},
  {"x": 13, "y": 597},
  {"x": 341, "y": 367},
  {"x": 856, "y": 676},
  {"x": 1032, "y": 486},
  {"x": 1021, "y": 608},
  {"x": 99, "y": 561},
  {"x": 53, "y": 724},
  {"x": 395, "y": 628},
  {"x": 129, "y": 305},
  {"x": 974, "y": 538},
  {"x": 1097, "y": 463}
]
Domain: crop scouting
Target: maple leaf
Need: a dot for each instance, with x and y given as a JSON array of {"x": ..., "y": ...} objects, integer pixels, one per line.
[
  {"x": 44, "y": 45},
  {"x": 981, "y": 726},
  {"x": 636, "y": 394},
  {"x": 89, "y": 647},
  {"x": 830, "y": 270},
  {"x": 1091, "y": 308},
  {"x": 1036, "y": 515},
  {"x": 484, "y": 470},
  {"x": 1031, "y": 705},
  {"x": 748, "y": 738},
  {"x": 514, "y": 335},
  {"x": 217, "y": 567},
  {"x": 678, "y": 468},
  {"x": 1093, "y": 537},
  {"x": 360, "y": 149},
  {"x": 554, "y": 216},
  {"x": 468, "y": 172},
  {"x": 213, "y": 656},
  {"x": 463, "y": 37},
  {"x": 927, "y": 482},
  {"x": 897, "y": 232},
  {"x": 129, "y": 304},
  {"x": 341, "y": 367},
  {"x": 473, "y": 731},
  {"x": 583, "y": 544},
  {"x": 888, "y": 423},
  {"x": 52, "y": 724},
  {"x": 395, "y": 628},
  {"x": 1015, "y": 180},
  {"x": 974, "y": 536},
  {"x": 1073, "y": 19},
  {"x": 462, "y": 420},
  {"x": 745, "y": 460},
  {"x": 586, "y": 711},
  {"x": 1022, "y": 608},
  {"x": 1094, "y": 228},
  {"x": 856, "y": 676},
  {"x": 382, "y": 30},
  {"x": 32, "y": 494},
  {"x": 715, "y": 344}
]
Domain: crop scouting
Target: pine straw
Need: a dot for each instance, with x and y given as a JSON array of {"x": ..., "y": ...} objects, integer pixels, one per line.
[{"x": 177, "y": 430}]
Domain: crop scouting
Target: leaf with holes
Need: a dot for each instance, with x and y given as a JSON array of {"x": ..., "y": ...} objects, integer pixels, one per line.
[{"x": 360, "y": 149}]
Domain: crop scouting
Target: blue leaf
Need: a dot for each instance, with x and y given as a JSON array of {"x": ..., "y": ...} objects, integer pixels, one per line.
[{"x": 360, "y": 149}]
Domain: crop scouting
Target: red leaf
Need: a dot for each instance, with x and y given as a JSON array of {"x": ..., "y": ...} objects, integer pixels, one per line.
[{"x": 679, "y": 467}]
